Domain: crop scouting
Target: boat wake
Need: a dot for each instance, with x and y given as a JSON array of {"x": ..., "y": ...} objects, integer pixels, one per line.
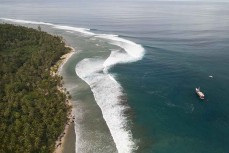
[{"x": 106, "y": 90}]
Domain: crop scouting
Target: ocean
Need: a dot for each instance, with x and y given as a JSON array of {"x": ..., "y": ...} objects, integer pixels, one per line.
[{"x": 135, "y": 70}]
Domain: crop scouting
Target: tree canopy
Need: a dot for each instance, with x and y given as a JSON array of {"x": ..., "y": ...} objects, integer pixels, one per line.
[{"x": 33, "y": 112}]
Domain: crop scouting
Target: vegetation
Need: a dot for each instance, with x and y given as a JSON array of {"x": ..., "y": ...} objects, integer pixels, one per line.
[{"x": 33, "y": 112}]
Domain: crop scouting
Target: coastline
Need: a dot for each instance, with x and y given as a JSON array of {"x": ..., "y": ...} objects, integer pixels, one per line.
[{"x": 55, "y": 70}]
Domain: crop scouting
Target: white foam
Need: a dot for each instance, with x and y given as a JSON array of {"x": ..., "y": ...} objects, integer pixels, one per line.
[
  {"x": 26, "y": 21},
  {"x": 107, "y": 92},
  {"x": 69, "y": 28},
  {"x": 136, "y": 51},
  {"x": 116, "y": 57}
]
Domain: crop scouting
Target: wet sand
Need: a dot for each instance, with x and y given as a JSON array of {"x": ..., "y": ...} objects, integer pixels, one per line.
[{"x": 70, "y": 139}]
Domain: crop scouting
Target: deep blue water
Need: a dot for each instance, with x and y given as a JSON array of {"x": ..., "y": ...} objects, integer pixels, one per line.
[{"x": 185, "y": 43}]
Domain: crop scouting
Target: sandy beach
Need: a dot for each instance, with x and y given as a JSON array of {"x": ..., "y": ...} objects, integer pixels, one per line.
[
  {"x": 61, "y": 138},
  {"x": 55, "y": 70}
]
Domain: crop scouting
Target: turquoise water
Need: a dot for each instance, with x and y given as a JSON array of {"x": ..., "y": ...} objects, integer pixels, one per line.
[{"x": 184, "y": 43}]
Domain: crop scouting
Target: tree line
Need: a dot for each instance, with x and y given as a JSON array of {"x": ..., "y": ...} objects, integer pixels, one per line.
[{"x": 33, "y": 112}]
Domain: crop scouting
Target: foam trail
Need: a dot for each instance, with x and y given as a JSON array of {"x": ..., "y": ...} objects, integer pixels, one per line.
[{"x": 107, "y": 93}]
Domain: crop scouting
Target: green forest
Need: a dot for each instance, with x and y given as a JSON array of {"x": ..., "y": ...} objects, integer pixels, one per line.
[{"x": 33, "y": 112}]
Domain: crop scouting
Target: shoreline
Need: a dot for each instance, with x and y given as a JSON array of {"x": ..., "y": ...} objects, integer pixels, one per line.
[{"x": 55, "y": 70}]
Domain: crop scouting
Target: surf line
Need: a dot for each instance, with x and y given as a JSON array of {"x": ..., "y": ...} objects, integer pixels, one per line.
[
  {"x": 107, "y": 91},
  {"x": 87, "y": 70}
]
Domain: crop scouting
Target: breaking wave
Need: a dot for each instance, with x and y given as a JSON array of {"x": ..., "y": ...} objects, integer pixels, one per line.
[{"x": 107, "y": 91}]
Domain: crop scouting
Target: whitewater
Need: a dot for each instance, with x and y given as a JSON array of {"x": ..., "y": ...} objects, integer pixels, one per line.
[{"x": 106, "y": 89}]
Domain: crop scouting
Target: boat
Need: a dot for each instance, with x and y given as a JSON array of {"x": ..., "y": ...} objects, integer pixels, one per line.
[{"x": 199, "y": 93}]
